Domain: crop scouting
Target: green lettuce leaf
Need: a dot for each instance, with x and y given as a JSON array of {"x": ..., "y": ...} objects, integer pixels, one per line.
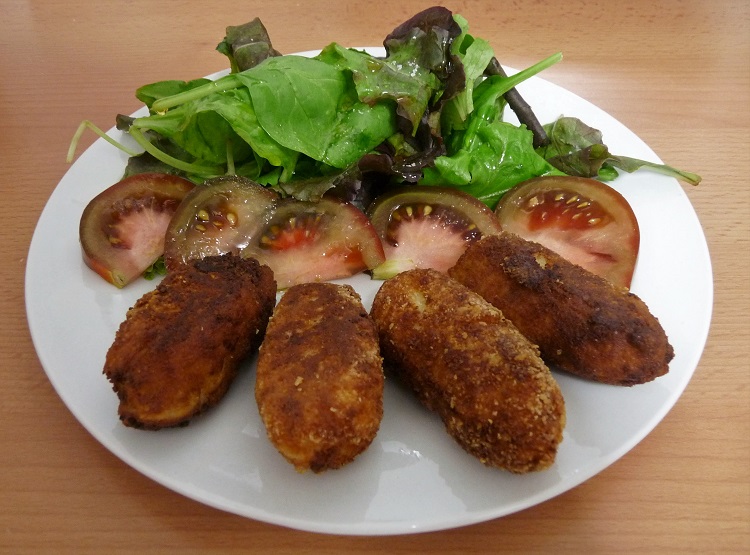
[
  {"x": 267, "y": 116},
  {"x": 312, "y": 107},
  {"x": 148, "y": 94},
  {"x": 409, "y": 87},
  {"x": 501, "y": 156},
  {"x": 491, "y": 156},
  {"x": 475, "y": 55}
]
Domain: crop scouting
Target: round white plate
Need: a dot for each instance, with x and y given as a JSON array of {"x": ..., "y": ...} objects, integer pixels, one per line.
[{"x": 414, "y": 477}]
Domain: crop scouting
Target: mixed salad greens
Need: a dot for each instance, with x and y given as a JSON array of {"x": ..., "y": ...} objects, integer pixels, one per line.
[{"x": 430, "y": 113}]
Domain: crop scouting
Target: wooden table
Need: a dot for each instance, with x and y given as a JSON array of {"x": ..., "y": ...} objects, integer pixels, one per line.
[{"x": 676, "y": 73}]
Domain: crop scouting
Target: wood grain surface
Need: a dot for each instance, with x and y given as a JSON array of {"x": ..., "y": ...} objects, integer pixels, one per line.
[{"x": 675, "y": 72}]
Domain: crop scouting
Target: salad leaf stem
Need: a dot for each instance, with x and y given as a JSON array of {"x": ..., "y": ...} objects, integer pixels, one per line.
[
  {"x": 207, "y": 171},
  {"x": 494, "y": 87},
  {"x": 230, "y": 159},
  {"x": 87, "y": 124},
  {"x": 631, "y": 164},
  {"x": 521, "y": 108},
  {"x": 223, "y": 84}
]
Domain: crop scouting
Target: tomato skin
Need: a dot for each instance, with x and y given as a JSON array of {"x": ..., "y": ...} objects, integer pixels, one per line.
[
  {"x": 216, "y": 218},
  {"x": 582, "y": 219},
  {"x": 122, "y": 228},
  {"x": 300, "y": 241},
  {"x": 428, "y": 226}
]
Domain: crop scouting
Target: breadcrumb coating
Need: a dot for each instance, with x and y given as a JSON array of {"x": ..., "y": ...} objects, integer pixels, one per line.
[
  {"x": 180, "y": 346},
  {"x": 469, "y": 364},
  {"x": 581, "y": 322},
  {"x": 319, "y": 383}
]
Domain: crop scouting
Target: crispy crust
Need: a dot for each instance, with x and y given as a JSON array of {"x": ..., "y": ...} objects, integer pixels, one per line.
[
  {"x": 179, "y": 348},
  {"x": 581, "y": 322},
  {"x": 471, "y": 366},
  {"x": 319, "y": 385}
]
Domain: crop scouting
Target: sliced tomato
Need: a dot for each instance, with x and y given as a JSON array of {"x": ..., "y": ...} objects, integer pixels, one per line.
[
  {"x": 218, "y": 217},
  {"x": 299, "y": 241},
  {"x": 122, "y": 229},
  {"x": 428, "y": 227},
  {"x": 316, "y": 241},
  {"x": 582, "y": 219}
]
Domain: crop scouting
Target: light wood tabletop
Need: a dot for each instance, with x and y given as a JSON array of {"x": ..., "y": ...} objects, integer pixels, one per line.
[{"x": 677, "y": 73}]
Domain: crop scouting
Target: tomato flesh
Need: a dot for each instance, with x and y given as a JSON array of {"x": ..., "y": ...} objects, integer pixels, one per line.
[
  {"x": 122, "y": 229},
  {"x": 565, "y": 210},
  {"x": 428, "y": 227},
  {"x": 307, "y": 242},
  {"x": 582, "y": 219},
  {"x": 300, "y": 241}
]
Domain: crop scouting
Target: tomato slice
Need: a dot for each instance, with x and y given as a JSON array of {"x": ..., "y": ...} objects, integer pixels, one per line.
[
  {"x": 582, "y": 219},
  {"x": 299, "y": 241},
  {"x": 218, "y": 217},
  {"x": 122, "y": 228},
  {"x": 316, "y": 241},
  {"x": 428, "y": 227}
]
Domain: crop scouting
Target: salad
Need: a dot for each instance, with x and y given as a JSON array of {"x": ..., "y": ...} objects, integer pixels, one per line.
[{"x": 297, "y": 143}]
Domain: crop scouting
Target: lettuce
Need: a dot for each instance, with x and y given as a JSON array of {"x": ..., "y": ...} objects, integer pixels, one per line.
[
  {"x": 430, "y": 112},
  {"x": 490, "y": 156},
  {"x": 577, "y": 149}
]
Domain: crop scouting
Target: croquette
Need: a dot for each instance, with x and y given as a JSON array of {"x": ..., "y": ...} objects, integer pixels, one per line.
[
  {"x": 465, "y": 361},
  {"x": 181, "y": 345},
  {"x": 581, "y": 322},
  {"x": 319, "y": 381}
]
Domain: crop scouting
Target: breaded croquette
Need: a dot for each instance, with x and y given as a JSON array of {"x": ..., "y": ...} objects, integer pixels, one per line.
[
  {"x": 469, "y": 364},
  {"x": 319, "y": 382},
  {"x": 582, "y": 323},
  {"x": 179, "y": 348}
]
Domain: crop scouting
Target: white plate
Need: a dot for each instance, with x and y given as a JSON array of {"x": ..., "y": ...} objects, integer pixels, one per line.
[{"x": 414, "y": 477}]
